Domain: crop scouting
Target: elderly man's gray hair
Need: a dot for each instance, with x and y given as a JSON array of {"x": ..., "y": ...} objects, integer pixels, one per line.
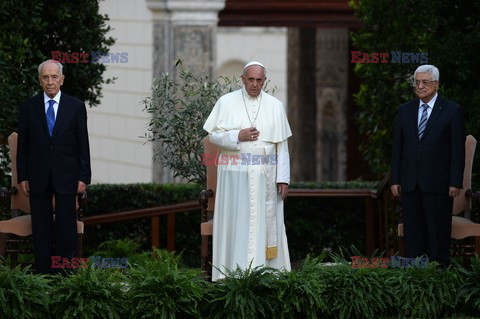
[
  {"x": 427, "y": 68},
  {"x": 60, "y": 66}
]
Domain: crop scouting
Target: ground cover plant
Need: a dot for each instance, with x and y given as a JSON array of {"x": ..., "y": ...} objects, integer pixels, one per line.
[{"x": 156, "y": 286}]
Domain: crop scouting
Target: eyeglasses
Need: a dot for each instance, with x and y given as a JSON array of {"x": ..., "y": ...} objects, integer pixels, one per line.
[{"x": 424, "y": 83}]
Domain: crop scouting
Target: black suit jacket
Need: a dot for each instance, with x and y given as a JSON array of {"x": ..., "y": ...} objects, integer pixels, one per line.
[
  {"x": 437, "y": 160},
  {"x": 65, "y": 155}
]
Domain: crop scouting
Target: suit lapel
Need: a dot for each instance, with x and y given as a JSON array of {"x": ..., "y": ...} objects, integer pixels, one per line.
[
  {"x": 437, "y": 110},
  {"x": 39, "y": 106},
  {"x": 62, "y": 108},
  {"x": 413, "y": 115}
]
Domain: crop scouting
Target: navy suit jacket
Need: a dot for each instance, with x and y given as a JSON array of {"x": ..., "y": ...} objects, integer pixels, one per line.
[
  {"x": 437, "y": 160},
  {"x": 65, "y": 156}
]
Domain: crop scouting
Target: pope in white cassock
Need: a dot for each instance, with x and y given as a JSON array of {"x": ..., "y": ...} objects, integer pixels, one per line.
[{"x": 251, "y": 129}]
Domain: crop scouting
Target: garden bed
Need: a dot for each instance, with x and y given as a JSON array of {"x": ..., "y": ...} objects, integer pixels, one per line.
[{"x": 153, "y": 285}]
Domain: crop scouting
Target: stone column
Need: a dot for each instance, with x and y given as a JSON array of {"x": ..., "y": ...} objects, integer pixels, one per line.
[
  {"x": 317, "y": 103},
  {"x": 186, "y": 30},
  {"x": 331, "y": 95},
  {"x": 302, "y": 108}
]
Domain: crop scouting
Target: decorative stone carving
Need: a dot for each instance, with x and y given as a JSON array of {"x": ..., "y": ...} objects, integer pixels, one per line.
[
  {"x": 186, "y": 30},
  {"x": 331, "y": 79}
]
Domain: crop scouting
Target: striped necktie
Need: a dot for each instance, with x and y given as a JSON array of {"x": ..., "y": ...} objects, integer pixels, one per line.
[
  {"x": 50, "y": 117},
  {"x": 423, "y": 121}
]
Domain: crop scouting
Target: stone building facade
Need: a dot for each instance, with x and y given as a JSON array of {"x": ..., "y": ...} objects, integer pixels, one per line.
[{"x": 307, "y": 59}]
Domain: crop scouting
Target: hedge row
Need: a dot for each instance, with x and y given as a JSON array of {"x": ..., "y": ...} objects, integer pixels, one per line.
[
  {"x": 109, "y": 198},
  {"x": 313, "y": 225},
  {"x": 154, "y": 286}
]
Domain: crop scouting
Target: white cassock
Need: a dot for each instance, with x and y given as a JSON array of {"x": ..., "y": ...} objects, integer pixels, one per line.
[{"x": 248, "y": 224}]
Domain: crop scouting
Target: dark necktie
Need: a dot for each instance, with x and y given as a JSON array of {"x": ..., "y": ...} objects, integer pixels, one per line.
[
  {"x": 423, "y": 121},
  {"x": 50, "y": 116}
]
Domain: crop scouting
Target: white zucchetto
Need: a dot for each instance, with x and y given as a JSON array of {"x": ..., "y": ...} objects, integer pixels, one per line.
[{"x": 253, "y": 63}]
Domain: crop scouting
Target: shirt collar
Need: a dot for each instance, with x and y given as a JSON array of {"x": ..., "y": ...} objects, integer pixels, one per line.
[
  {"x": 431, "y": 103},
  {"x": 56, "y": 98}
]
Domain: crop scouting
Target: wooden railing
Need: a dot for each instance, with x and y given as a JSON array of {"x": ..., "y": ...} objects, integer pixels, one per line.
[
  {"x": 368, "y": 194},
  {"x": 378, "y": 202},
  {"x": 154, "y": 214}
]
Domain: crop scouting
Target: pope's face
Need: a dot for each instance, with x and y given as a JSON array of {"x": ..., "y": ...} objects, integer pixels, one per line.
[
  {"x": 253, "y": 79},
  {"x": 425, "y": 87},
  {"x": 50, "y": 79}
]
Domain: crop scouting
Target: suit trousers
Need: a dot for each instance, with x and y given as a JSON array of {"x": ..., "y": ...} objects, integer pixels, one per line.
[
  {"x": 427, "y": 225},
  {"x": 54, "y": 229}
]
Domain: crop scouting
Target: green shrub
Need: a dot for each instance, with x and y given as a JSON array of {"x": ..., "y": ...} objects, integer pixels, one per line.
[
  {"x": 423, "y": 292},
  {"x": 314, "y": 225},
  {"x": 302, "y": 291},
  {"x": 249, "y": 293},
  {"x": 318, "y": 225},
  {"x": 179, "y": 106},
  {"x": 155, "y": 286},
  {"x": 89, "y": 293},
  {"x": 24, "y": 253},
  {"x": 356, "y": 293},
  {"x": 22, "y": 294},
  {"x": 158, "y": 288},
  {"x": 469, "y": 292},
  {"x": 117, "y": 248},
  {"x": 109, "y": 198}
]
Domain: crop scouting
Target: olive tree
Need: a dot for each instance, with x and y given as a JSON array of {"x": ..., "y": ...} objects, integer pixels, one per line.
[{"x": 179, "y": 106}]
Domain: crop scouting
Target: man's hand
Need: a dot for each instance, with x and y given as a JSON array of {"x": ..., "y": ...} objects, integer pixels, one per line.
[
  {"x": 282, "y": 190},
  {"x": 25, "y": 187},
  {"x": 81, "y": 187},
  {"x": 396, "y": 190},
  {"x": 248, "y": 134},
  {"x": 453, "y": 191}
]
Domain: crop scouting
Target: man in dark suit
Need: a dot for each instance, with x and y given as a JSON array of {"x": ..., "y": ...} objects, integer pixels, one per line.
[
  {"x": 53, "y": 159},
  {"x": 427, "y": 166}
]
